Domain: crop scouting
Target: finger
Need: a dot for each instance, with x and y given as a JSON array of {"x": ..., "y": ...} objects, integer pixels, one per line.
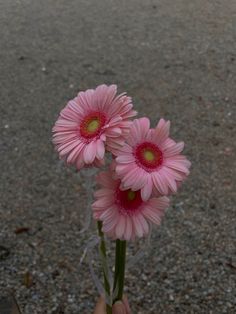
[
  {"x": 100, "y": 306},
  {"x": 118, "y": 308},
  {"x": 126, "y": 304}
]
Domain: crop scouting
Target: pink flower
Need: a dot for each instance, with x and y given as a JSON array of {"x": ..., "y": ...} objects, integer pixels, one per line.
[
  {"x": 124, "y": 214},
  {"x": 150, "y": 160},
  {"x": 91, "y": 121}
]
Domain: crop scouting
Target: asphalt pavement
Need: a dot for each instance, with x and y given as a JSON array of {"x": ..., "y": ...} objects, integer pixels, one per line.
[{"x": 177, "y": 59}]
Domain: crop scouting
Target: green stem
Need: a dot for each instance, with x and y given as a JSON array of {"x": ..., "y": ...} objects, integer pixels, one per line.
[
  {"x": 102, "y": 251},
  {"x": 120, "y": 268},
  {"x": 116, "y": 264}
]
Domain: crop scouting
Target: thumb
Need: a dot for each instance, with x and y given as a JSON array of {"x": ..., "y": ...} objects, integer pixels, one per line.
[
  {"x": 100, "y": 306},
  {"x": 118, "y": 308}
]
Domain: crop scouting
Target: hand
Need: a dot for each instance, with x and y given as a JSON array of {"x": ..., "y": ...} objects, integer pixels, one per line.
[{"x": 120, "y": 307}]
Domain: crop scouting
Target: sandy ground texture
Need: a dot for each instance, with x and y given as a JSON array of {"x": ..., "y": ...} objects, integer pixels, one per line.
[{"x": 178, "y": 61}]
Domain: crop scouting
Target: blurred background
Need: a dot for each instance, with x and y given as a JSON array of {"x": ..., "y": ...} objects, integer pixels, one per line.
[{"x": 177, "y": 60}]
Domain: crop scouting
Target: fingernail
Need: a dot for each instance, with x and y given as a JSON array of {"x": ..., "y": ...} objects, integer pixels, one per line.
[{"x": 118, "y": 308}]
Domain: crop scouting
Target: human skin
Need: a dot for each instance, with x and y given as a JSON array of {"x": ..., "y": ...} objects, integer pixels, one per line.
[{"x": 120, "y": 307}]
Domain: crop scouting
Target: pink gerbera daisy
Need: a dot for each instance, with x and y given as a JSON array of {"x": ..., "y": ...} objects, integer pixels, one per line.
[
  {"x": 150, "y": 160},
  {"x": 91, "y": 121},
  {"x": 123, "y": 212}
]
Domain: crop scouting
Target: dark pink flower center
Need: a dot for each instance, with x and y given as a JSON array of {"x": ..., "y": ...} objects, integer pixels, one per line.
[
  {"x": 129, "y": 201},
  {"x": 148, "y": 156},
  {"x": 92, "y": 125}
]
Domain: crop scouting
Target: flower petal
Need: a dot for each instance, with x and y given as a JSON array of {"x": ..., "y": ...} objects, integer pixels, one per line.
[
  {"x": 90, "y": 152},
  {"x": 137, "y": 226},
  {"x": 100, "y": 149},
  {"x": 120, "y": 227},
  {"x": 146, "y": 190},
  {"x": 174, "y": 149},
  {"x": 162, "y": 131},
  {"x": 128, "y": 229},
  {"x": 159, "y": 183}
]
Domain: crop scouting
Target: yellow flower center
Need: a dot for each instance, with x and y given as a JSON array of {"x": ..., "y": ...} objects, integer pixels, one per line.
[
  {"x": 93, "y": 125},
  {"x": 131, "y": 195},
  {"x": 149, "y": 155}
]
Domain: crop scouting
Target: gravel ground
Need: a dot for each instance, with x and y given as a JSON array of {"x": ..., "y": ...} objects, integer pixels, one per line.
[{"x": 177, "y": 59}]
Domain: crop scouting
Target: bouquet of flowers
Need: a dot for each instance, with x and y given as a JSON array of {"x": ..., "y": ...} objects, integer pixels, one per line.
[{"x": 146, "y": 167}]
